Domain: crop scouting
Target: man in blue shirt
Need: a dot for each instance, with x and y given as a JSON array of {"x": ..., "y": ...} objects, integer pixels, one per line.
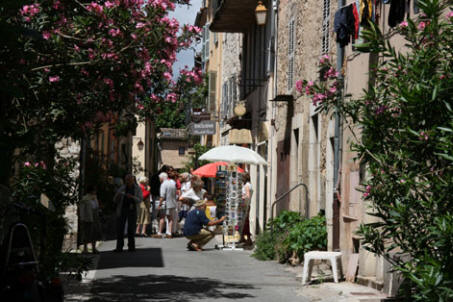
[{"x": 193, "y": 227}]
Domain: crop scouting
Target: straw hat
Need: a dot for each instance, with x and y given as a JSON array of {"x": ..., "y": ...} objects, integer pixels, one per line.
[{"x": 200, "y": 203}]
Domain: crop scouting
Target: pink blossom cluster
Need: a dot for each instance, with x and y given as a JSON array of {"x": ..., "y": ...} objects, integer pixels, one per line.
[
  {"x": 95, "y": 7},
  {"x": 41, "y": 164},
  {"x": 192, "y": 76},
  {"x": 172, "y": 97},
  {"x": 53, "y": 79},
  {"x": 192, "y": 29},
  {"x": 423, "y": 136},
  {"x": 324, "y": 59},
  {"x": 367, "y": 192},
  {"x": 163, "y": 4},
  {"x": 331, "y": 74},
  {"x": 404, "y": 24},
  {"x": 450, "y": 14},
  {"x": 28, "y": 11}
]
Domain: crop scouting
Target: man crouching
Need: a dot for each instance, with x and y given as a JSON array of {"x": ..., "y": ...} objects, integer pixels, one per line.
[{"x": 193, "y": 227}]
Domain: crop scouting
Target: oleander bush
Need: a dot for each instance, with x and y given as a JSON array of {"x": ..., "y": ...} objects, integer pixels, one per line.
[{"x": 405, "y": 119}]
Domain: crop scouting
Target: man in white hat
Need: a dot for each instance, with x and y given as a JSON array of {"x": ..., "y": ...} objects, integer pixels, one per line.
[{"x": 193, "y": 227}]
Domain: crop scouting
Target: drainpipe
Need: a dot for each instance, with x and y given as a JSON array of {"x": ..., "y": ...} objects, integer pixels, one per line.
[
  {"x": 274, "y": 35},
  {"x": 338, "y": 124},
  {"x": 338, "y": 142}
]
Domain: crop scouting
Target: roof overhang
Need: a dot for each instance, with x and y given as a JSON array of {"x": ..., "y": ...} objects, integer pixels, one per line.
[
  {"x": 200, "y": 19},
  {"x": 234, "y": 16}
]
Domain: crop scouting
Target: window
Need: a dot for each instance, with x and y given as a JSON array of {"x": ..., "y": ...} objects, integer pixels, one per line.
[
  {"x": 325, "y": 27},
  {"x": 182, "y": 151},
  {"x": 291, "y": 50}
]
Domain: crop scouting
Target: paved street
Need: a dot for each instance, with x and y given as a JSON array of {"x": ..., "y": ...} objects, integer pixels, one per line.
[{"x": 163, "y": 270}]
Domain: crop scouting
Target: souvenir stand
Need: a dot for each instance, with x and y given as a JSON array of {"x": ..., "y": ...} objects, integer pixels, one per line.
[{"x": 229, "y": 189}]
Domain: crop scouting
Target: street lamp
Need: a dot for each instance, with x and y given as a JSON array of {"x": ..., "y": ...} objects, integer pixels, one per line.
[
  {"x": 260, "y": 12},
  {"x": 140, "y": 145}
]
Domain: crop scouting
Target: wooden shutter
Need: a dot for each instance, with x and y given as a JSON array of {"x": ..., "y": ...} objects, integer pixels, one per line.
[{"x": 212, "y": 91}]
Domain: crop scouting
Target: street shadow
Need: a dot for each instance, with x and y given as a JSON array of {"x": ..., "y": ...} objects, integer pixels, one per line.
[
  {"x": 166, "y": 288},
  {"x": 148, "y": 257}
]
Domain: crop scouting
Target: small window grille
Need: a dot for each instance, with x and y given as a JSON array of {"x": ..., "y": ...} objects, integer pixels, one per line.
[
  {"x": 291, "y": 50},
  {"x": 325, "y": 47}
]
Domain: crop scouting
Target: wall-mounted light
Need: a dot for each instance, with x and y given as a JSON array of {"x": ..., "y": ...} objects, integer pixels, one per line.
[
  {"x": 140, "y": 145},
  {"x": 261, "y": 13}
]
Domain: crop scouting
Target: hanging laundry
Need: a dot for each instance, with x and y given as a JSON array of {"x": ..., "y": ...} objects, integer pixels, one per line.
[
  {"x": 397, "y": 11},
  {"x": 344, "y": 25},
  {"x": 355, "y": 12},
  {"x": 366, "y": 11}
]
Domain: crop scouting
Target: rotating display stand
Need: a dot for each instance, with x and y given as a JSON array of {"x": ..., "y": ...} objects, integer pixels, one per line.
[{"x": 234, "y": 221}]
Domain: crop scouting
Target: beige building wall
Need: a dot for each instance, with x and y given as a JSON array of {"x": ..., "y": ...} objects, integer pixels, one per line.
[
  {"x": 373, "y": 271},
  {"x": 297, "y": 124}
]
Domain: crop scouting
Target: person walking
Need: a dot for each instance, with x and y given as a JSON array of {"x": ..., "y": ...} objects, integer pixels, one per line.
[
  {"x": 143, "y": 216},
  {"x": 155, "y": 195},
  {"x": 89, "y": 218},
  {"x": 193, "y": 227},
  {"x": 167, "y": 205},
  {"x": 127, "y": 199},
  {"x": 247, "y": 192}
]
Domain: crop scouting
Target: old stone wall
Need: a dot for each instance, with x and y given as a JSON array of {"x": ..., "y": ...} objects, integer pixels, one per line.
[{"x": 298, "y": 123}]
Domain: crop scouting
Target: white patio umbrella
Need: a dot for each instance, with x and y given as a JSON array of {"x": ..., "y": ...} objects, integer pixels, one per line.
[{"x": 234, "y": 154}]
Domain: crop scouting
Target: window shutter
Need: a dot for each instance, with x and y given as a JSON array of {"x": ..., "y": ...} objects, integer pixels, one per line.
[
  {"x": 206, "y": 48},
  {"x": 325, "y": 27},
  {"x": 212, "y": 91}
]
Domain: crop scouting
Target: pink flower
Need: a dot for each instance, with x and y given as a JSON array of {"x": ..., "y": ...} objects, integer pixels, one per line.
[
  {"x": 114, "y": 32},
  {"x": 53, "y": 79},
  {"x": 402, "y": 181},
  {"x": 333, "y": 89},
  {"x": 404, "y": 24},
  {"x": 299, "y": 86},
  {"x": 56, "y": 4},
  {"x": 140, "y": 25},
  {"x": 109, "y": 4},
  {"x": 421, "y": 25},
  {"x": 134, "y": 36},
  {"x": 76, "y": 48},
  {"x": 46, "y": 35},
  {"x": 27, "y": 164},
  {"x": 450, "y": 14},
  {"x": 323, "y": 59},
  {"x": 167, "y": 75}
]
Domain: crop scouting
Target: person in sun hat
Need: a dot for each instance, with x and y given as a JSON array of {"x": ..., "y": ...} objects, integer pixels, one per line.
[{"x": 194, "y": 226}]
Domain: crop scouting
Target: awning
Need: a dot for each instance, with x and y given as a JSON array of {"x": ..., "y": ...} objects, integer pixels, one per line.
[{"x": 233, "y": 15}]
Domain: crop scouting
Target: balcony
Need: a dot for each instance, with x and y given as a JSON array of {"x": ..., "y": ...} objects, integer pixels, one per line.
[{"x": 234, "y": 16}]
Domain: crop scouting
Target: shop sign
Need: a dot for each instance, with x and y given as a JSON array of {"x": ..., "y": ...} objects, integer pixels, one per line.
[{"x": 203, "y": 128}]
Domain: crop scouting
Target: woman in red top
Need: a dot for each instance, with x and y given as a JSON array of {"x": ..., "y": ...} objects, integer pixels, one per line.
[{"x": 144, "y": 215}]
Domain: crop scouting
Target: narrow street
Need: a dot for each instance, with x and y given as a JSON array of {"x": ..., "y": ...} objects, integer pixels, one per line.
[{"x": 163, "y": 270}]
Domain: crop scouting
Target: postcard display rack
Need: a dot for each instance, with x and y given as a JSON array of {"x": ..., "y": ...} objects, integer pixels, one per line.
[{"x": 234, "y": 221}]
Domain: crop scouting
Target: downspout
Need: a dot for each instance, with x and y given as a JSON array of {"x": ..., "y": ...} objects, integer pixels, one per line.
[
  {"x": 274, "y": 49},
  {"x": 338, "y": 139},
  {"x": 338, "y": 132}
]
